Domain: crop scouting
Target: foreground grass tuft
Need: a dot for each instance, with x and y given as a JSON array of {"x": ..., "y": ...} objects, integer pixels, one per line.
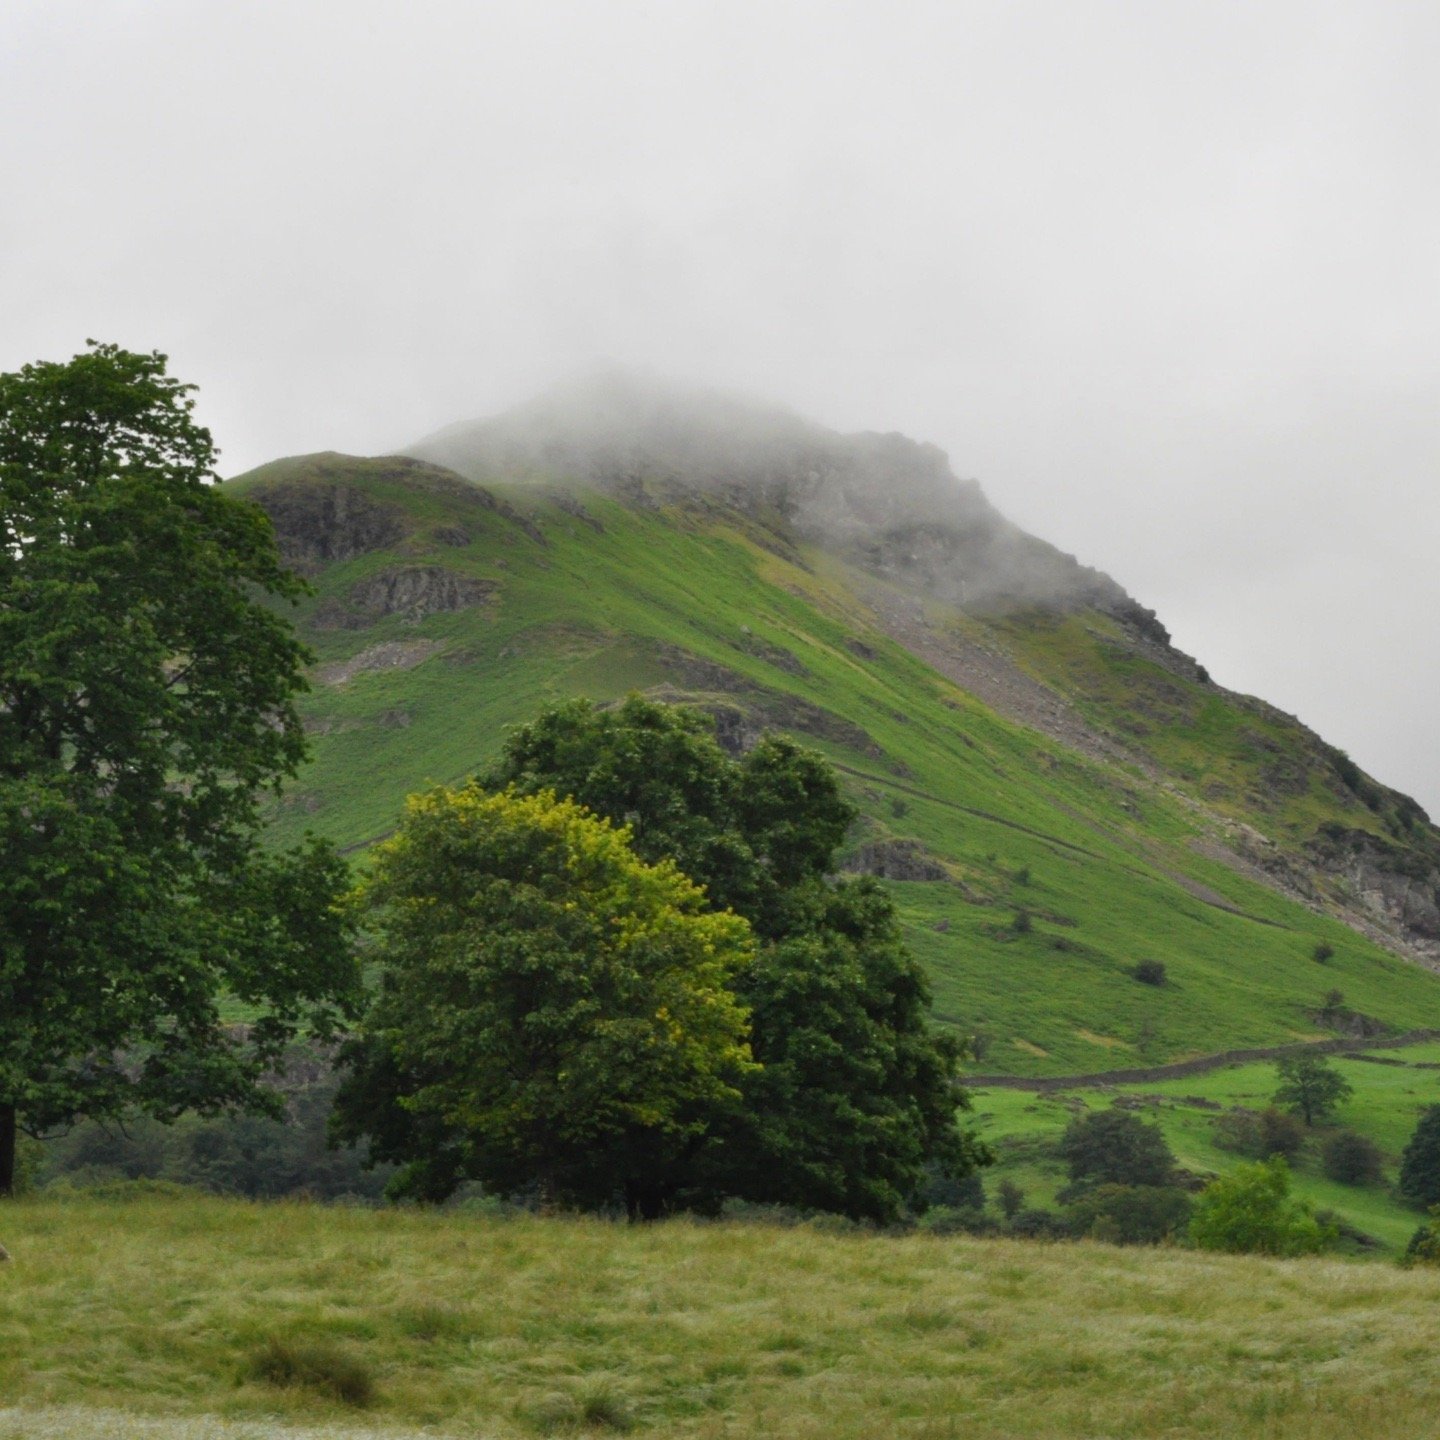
[{"x": 325, "y": 1369}]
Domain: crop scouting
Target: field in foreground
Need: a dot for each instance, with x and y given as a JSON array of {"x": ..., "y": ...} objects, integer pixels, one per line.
[{"x": 479, "y": 1326}]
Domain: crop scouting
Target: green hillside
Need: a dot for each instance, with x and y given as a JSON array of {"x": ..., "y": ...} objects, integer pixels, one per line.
[{"x": 1033, "y": 873}]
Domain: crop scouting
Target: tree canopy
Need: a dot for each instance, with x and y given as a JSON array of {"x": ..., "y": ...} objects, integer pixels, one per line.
[
  {"x": 1310, "y": 1086},
  {"x": 555, "y": 1013},
  {"x": 146, "y": 708},
  {"x": 1116, "y": 1147},
  {"x": 852, "y": 1098},
  {"x": 1419, "y": 1179},
  {"x": 1249, "y": 1211}
]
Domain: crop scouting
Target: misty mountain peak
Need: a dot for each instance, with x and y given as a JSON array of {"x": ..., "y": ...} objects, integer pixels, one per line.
[
  {"x": 615, "y": 427},
  {"x": 890, "y": 503}
]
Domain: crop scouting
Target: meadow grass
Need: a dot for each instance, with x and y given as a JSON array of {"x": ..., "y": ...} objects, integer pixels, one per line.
[{"x": 118, "y": 1310}]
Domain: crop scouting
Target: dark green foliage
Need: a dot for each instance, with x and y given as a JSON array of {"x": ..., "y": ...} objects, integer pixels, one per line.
[
  {"x": 313, "y": 1365},
  {"x": 1260, "y": 1134},
  {"x": 1131, "y": 1214},
  {"x": 1010, "y": 1197},
  {"x": 1332, "y": 1008},
  {"x": 1310, "y": 1086},
  {"x": 253, "y": 1155},
  {"x": 1250, "y": 1211},
  {"x": 1150, "y": 972},
  {"x": 1419, "y": 1180},
  {"x": 1424, "y": 1246},
  {"x": 855, "y": 1097},
  {"x": 748, "y": 830},
  {"x": 1022, "y": 923},
  {"x": 1352, "y": 1159},
  {"x": 554, "y": 1013},
  {"x": 1040, "y": 1225},
  {"x": 1323, "y": 952},
  {"x": 1115, "y": 1147},
  {"x": 146, "y": 707}
]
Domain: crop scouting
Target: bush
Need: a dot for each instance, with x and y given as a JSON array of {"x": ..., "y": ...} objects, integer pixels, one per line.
[
  {"x": 1260, "y": 1135},
  {"x": 1424, "y": 1246},
  {"x": 1022, "y": 924},
  {"x": 1010, "y": 1197},
  {"x": 1249, "y": 1212},
  {"x": 1114, "y": 1147},
  {"x": 1040, "y": 1225},
  {"x": 1352, "y": 1159},
  {"x": 1323, "y": 952},
  {"x": 1131, "y": 1214},
  {"x": 1150, "y": 972},
  {"x": 289, "y": 1364}
]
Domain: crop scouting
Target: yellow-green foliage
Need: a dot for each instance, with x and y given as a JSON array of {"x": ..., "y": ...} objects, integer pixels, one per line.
[
  {"x": 553, "y": 997},
  {"x": 496, "y": 1328}
]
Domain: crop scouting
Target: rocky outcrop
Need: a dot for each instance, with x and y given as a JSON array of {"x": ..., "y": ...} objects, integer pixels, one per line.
[
  {"x": 1397, "y": 885},
  {"x": 895, "y": 860},
  {"x": 321, "y": 525},
  {"x": 410, "y": 591}
]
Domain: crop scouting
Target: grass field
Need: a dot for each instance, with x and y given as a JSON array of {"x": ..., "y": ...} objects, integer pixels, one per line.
[{"x": 115, "y": 1311}]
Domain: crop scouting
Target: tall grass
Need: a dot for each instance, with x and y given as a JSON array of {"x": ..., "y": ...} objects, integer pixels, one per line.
[{"x": 509, "y": 1328}]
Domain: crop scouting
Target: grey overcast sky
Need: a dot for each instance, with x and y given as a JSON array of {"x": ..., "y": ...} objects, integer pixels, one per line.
[{"x": 1163, "y": 276}]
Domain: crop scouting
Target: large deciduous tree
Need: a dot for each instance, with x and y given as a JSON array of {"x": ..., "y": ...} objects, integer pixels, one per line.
[
  {"x": 146, "y": 708},
  {"x": 857, "y": 1095},
  {"x": 555, "y": 1014}
]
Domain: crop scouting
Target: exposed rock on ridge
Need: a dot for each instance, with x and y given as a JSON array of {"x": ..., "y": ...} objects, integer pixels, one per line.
[{"x": 887, "y": 502}]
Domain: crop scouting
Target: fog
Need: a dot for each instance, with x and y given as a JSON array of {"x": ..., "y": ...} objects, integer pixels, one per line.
[{"x": 1163, "y": 278}]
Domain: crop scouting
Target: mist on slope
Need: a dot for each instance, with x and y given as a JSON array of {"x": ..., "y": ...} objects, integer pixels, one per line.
[{"x": 888, "y": 501}]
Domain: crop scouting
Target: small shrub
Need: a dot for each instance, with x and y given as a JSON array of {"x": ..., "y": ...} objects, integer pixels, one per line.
[
  {"x": 1323, "y": 953},
  {"x": 1040, "y": 1225},
  {"x": 899, "y": 808},
  {"x": 1424, "y": 1246},
  {"x": 1022, "y": 875},
  {"x": 313, "y": 1365},
  {"x": 1131, "y": 1214},
  {"x": 1259, "y": 1135},
  {"x": 1352, "y": 1159},
  {"x": 1010, "y": 1197},
  {"x": 1150, "y": 972},
  {"x": 1022, "y": 924}
]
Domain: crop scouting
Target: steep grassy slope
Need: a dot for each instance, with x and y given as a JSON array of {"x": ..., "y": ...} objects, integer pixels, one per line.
[
  {"x": 512, "y": 1328},
  {"x": 1040, "y": 875}
]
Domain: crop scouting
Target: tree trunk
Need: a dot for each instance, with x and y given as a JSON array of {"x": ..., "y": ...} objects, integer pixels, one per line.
[{"x": 7, "y": 1151}]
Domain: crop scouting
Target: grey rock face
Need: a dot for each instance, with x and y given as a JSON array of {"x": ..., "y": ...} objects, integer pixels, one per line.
[
  {"x": 410, "y": 591},
  {"x": 895, "y": 860}
]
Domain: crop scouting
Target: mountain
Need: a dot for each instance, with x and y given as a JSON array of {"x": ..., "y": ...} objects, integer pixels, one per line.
[{"x": 1054, "y": 793}]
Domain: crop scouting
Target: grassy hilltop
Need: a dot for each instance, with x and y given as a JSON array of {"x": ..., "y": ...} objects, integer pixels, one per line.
[{"x": 475, "y": 1326}]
